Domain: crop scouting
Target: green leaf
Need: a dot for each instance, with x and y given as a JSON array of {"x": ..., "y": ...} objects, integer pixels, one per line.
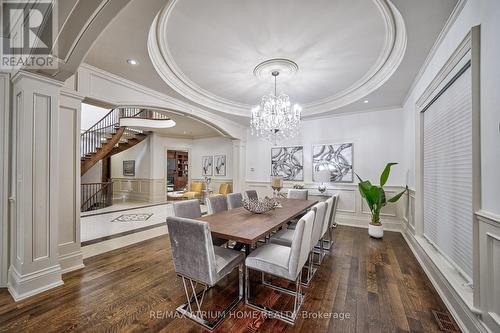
[
  {"x": 385, "y": 174},
  {"x": 397, "y": 196},
  {"x": 382, "y": 198}
]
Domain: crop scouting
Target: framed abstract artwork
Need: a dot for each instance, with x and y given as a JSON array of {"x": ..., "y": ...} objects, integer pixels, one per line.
[
  {"x": 337, "y": 159},
  {"x": 288, "y": 162},
  {"x": 207, "y": 165},
  {"x": 219, "y": 165}
]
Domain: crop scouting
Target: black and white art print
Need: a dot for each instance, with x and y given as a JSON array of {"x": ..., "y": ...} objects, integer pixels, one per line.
[
  {"x": 336, "y": 158},
  {"x": 219, "y": 165},
  {"x": 207, "y": 165},
  {"x": 288, "y": 162}
]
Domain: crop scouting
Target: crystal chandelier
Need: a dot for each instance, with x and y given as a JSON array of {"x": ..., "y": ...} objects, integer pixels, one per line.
[{"x": 275, "y": 119}]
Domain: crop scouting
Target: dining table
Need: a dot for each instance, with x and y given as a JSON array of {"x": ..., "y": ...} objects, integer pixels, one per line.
[{"x": 248, "y": 228}]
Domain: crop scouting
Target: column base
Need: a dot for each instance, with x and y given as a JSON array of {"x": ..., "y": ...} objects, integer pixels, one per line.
[{"x": 24, "y": 286}]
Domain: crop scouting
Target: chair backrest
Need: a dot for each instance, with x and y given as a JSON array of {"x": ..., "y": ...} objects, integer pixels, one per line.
[
  {"x": 328, "y": 215},
  {"x": 319, "y": 219},
  {"x": 192, "y": 249},
  {"x": 225, "y": 188},
  {"x": 216, "y": 204},
  {"x": 189, "y": 209},
  {"x": 301, "y": 244},
  {"x": 234, "y": 200},
  {"x": 336, "y": 199},
  {"x": 252, "y": 194},
  {"x": 196, "y": 187},
  {"x": 298, "y": 194}
]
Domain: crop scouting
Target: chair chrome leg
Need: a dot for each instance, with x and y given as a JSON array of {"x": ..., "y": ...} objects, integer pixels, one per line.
[
  {"x": 187, "y": 310},
  {"x": 311, "y": 270},
  {"x": 298, "y": 300}
]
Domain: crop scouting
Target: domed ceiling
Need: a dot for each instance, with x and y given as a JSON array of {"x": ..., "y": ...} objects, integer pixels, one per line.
[
  {"x": 207, "y": 50},
  {"x": 348, "y": 52}
]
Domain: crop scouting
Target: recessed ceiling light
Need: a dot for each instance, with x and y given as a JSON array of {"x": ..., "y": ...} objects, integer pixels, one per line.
[
  {"x": 365, "y": 101},
  {"x": 132, "y": 62}
]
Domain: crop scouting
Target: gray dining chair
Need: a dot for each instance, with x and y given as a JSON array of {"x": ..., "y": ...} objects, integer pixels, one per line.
[
  {"x": 284, "y": 237},
  {"x": 298, "y": 194},
  {"x": 252, "y": 194},
  {"x": 234, "y": 200},
  {"x": 188, "y": 208},
  {"x": 216, "y": 204},
  {"x": 191, "y": 209},
  {"x": 319, "y": 248},
  {"x": 284, "y": 262},
  {"x": 198, "y": 262},
  {"x": 331, "y": 224}
]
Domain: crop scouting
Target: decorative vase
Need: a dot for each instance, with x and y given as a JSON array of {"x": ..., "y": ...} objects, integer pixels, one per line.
[{"x": 375, "y": 231}]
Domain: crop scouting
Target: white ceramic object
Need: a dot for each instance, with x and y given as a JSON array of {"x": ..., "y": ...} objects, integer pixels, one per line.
[{"x": 375, "y": 231}]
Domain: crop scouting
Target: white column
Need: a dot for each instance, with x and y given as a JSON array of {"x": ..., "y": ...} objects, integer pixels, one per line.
[
  {"x": 4, "y": 175},
  {"x": 70, "y": 253},
  {"x": 34, "y": 264},
  {"x": 239, "y": 165}
]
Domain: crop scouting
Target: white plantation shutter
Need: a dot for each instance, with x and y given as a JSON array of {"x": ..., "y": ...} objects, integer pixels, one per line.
[{"x": 447, "y": 190}]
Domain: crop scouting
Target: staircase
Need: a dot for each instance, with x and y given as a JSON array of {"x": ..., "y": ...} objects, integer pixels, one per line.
[{"x": 106, "y": 138}]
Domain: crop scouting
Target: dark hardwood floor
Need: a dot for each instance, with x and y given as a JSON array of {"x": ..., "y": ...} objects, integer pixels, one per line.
[{"x": 364, "y": 285}]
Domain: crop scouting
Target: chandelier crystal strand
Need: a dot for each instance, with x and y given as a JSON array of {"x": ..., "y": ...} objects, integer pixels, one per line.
[{"x": 275, "y": 119}]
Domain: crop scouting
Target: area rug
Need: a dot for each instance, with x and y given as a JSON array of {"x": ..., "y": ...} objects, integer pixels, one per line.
[{"x": 132, "y": 218}]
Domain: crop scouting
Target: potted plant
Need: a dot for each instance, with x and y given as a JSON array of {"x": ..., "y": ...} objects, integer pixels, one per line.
[{"x": 376, "y": 200}]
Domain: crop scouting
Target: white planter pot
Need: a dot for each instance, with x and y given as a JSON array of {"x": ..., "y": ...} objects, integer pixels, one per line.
[{"x": 376, "y": 231}]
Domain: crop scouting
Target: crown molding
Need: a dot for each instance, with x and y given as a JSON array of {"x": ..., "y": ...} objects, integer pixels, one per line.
[{"x": 387, "y": 63}]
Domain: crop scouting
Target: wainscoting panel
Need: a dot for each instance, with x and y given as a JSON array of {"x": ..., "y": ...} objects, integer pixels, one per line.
[
  {"x": 138, "y": 189},
  {"x": 352, "y": 210},
  {"x": 489, "y": 253}
]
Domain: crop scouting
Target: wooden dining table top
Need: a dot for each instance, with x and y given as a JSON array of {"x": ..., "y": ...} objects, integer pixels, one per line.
[{"x": 242, "y": 226}]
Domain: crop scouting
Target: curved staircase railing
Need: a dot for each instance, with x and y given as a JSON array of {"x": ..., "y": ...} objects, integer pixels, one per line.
[
  {"x": 93, "y": 138},
  {"x": 96, "y": 196},
  {"x": 106, "y": 138}
]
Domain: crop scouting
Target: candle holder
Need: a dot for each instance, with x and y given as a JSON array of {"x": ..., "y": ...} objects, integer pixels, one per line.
[
  {"x": 276, "y": 185},
  {"x": 322, "y": 176}
]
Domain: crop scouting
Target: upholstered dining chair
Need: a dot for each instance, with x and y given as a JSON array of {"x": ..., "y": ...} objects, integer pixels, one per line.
[
  {"x": 285, "y": 237},
  {"x": 285, "y": 262},
  {"x": 331, "y": 224},
  {"x": 234, "y": 200},
  {"x": 188, "y": 209},
  {"x": 298, "y": 194},
  {"x": 216, "y": 204},
  {"x": 197, "y": 261},
  {"x": 252, "y": 194},
  {"x": 326, "y": 226},
  {"x": 191, "y": 209}
]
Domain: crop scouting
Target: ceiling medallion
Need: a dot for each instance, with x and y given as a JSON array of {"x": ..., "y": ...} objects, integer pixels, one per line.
[
  {"x": 275, "y": 119},
  {"x": 284, "y": 67}
]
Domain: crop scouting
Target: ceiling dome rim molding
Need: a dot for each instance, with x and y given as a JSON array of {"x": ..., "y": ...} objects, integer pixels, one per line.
[{"x": 387, "y": 63}]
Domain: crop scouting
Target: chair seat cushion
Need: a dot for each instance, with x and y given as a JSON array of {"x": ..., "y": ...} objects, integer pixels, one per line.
[
  {"x": 283, "y": 237},
  {"x": 226, "y": 260},
  {"x": 272, "y": 259}
]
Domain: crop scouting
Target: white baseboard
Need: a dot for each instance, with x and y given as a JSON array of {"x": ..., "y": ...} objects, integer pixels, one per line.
[
  {"x": 71, "y": 261},
  {"x": 467, "y": 320},
  {"x": 24, "y": 286}
]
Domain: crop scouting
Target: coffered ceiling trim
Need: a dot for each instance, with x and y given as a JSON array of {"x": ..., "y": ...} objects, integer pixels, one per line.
[{"x": 385, "y": 66}]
